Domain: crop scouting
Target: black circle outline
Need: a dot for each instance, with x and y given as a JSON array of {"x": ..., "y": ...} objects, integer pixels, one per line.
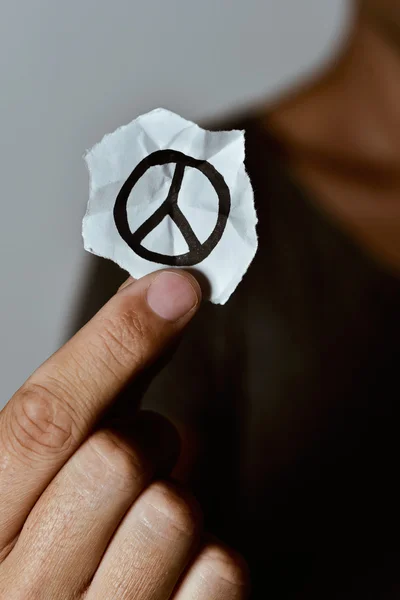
[{"x": 197, "y": 251}]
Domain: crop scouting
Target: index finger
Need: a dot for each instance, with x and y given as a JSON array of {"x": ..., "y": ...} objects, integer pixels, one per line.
[{"x": 53, "y": 412}]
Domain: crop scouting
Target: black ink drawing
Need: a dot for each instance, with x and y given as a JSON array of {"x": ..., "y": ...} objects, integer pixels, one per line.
[{"x": 197, "y": 251}]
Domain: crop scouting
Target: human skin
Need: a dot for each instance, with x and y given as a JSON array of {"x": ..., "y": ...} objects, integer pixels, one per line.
[
  {"x": 341, "y": 133},
  {"x": 83, "y": 511}
]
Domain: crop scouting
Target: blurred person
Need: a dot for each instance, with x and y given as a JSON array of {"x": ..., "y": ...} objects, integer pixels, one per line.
[
  {"x": 291, "y": 403},
  {"x": 287, "y": 398}
]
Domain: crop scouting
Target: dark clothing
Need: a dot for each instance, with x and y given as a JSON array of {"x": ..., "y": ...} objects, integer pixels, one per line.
[{"x": 295, "y": 386}]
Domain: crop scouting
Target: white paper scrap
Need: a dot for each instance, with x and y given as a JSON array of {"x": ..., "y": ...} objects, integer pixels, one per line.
[{"x": 166, "y": 193}]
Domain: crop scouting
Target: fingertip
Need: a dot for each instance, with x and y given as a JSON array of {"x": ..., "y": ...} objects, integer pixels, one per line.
[
  {"x": 172, "y": 295},
  {"x": 193, "y": 281}
]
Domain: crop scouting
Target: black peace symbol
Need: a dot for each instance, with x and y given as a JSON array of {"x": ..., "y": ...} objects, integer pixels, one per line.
[{"x": 197, "y": 251}]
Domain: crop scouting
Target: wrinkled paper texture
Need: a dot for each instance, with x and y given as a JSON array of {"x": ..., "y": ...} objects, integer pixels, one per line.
[{"x": 191, "y": 205}]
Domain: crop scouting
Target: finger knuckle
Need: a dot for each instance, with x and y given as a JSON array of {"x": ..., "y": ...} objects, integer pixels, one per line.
[
  {"x": 38, "y": 424},
  {"x": 171, "y": 512},
  {"x": 113, "y": 462},
  {"x": 224, "y": 566},
  {"x": 125, "y": 337}
]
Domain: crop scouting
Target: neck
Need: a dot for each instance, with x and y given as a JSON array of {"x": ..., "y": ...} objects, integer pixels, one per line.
[{"x": 352, "y": 114}]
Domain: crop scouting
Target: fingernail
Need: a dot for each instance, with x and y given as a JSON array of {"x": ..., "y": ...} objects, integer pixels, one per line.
[{"x": 171, "y": 296}]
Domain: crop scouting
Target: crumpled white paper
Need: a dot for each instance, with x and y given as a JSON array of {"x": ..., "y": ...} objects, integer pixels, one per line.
[{"x": 164, "y": 192}]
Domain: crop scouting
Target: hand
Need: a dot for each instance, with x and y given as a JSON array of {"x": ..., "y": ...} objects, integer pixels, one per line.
[{"x": 81, "y": 514}]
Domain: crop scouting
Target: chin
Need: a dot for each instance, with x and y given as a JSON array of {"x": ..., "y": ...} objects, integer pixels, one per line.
[
  {"x": 387, "y": 12},
  {"x": 386, "y": 9}
]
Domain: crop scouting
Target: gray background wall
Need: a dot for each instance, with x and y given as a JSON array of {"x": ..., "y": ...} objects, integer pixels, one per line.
[{"x": 72, "y": 71}]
